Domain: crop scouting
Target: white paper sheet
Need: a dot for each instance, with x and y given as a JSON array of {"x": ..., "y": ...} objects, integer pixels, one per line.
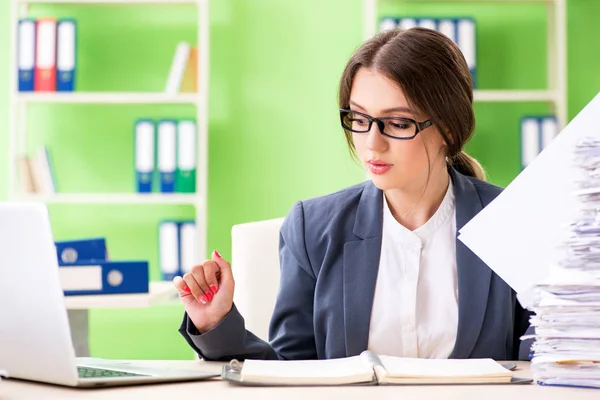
[{"x": 516, "y": 234}]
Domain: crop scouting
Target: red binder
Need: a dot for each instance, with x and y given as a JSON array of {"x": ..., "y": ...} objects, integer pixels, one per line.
[{"x": 45, "y": 64}]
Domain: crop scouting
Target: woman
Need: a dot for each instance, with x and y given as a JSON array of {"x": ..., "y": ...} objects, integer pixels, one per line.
[{"x": 378, "y": 265}]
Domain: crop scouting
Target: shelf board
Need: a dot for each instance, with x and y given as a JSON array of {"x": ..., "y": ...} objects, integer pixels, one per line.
[
  {"x": 513, "y": 95},
  {"x": 160, "y": 292},
  {"x": 109, "y": 1},
  {"x": 110, "y": 198},
  {"x": 109, "y": 98}
]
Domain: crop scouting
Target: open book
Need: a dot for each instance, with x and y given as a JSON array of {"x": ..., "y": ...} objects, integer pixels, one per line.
[{"x": 368, "y": 368}]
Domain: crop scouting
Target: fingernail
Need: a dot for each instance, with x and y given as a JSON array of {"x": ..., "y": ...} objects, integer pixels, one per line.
[
  {"x": 187, "y": 290},
  {"x": 209, "y": 296},
  {"x": 217, "y": 254},
  {"x": 202, "y": 299},
  {"x": 213, "y": 289}
]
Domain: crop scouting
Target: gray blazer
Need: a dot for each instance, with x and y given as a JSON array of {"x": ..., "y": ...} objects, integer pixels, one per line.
[{"x": 329, "y": 255}]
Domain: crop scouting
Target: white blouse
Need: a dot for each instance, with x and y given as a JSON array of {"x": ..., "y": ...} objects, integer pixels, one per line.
[{"x": 415, "y": 309}]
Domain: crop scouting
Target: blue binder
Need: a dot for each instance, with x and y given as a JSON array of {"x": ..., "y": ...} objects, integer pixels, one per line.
[
  {"x": 144, "y": 133},
  {"x": 74, "y": 251},
  {"x": 66, "y": 55},
  {"x": 166, "y": 151},
  {"x": 104, "y": 277},
  {"x": 26, "y": 51}
]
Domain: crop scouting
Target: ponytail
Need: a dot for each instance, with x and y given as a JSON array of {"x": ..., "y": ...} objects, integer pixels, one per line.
[{"x": 467, "y": 165}]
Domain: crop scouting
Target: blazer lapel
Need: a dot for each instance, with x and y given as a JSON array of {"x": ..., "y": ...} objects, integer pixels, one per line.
[
  {"x": 361, "y": 262},
  {"x": 474, "y": 276}
]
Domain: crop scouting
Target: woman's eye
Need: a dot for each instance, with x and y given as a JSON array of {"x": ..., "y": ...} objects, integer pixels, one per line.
[
  {"x": 360, "y": 122},
  {"x": 399, "y": 125}
]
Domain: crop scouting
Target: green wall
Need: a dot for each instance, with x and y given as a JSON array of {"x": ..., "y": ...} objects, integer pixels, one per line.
[{"x": 274, "y": 135}]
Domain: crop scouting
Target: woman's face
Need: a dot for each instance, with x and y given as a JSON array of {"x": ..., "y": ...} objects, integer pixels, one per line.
[{"x": 392, "y": 163}]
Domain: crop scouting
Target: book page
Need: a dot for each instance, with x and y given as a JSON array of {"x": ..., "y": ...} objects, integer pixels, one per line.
[
  {"x": 443, "y": 370},
  {"x": 318, "y": 372}
]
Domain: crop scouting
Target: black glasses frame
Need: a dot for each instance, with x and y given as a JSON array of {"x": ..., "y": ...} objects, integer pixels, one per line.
[{"x": 381, "y": 124}]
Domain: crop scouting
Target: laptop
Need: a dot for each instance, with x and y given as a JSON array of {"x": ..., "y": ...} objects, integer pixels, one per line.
[{"x": 35, "y": 338}]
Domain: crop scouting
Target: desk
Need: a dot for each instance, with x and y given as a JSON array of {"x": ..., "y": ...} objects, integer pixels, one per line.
[
  {"x": 78, "y": 306},
  {"x": 219, "y": 390}
]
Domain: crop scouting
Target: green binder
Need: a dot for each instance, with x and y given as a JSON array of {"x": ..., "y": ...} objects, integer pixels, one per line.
[{"x": 185, "y": 180}]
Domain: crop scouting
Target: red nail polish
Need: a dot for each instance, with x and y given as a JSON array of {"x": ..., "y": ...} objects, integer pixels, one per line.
[
  {"x": 213, "y": 289},
  {"x": 209, "y": 296},
  {"x": 217, "y": 254},
  {"x": 187, "y": 290}
]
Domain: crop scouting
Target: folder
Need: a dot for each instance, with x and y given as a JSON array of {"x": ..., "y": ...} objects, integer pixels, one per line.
[
  {"x": 76, "y": 251},
  {"x": 26, "y": 49},
  {"x": 189, "y": 83},
  {"x": 167, "y": 154},
  {"x": 427, "y": 23},
  {"x": 66, "y": 55},
  {"x": 45, "y": 57},
  {"x": 466, "y": 39},
  {"x": 448, "y": 28},
  {"x": 168, "y": 248},
  {"x": 185, "y": 181},
  {"x": 104, "y": 277},
  {"x": 178, "y": 65},
  {"x": 188, "y": 245},
  {"x": 387, "y": 24},
  {"x": 407, "y": 23},
  {"x": 144, "y": 155}
]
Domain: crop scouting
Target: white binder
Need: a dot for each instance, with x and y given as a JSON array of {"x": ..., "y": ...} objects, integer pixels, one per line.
[
  {"x": 448, "y": 28},
  {"x": 387, "y": 24},
  {"x": 189, "y": 248},
  {"x": 168, "y": 244},
  {"x": 427, "y": 23},
  {"x": 407, "y": 23},
  {"x": 144, "y": 155},
  {"x": 466, "y": 43},
  {"x": 549, "y": 130},
  {"x": 167, "y": 154}
]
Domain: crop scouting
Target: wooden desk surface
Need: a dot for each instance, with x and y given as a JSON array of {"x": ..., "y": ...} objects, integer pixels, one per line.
[{"x": 219, "y": 390}]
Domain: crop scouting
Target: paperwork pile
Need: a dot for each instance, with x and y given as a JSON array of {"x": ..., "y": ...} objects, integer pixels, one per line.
[
  {"x": 567, "y": 304},
  {"x": 541, "y": 235}
]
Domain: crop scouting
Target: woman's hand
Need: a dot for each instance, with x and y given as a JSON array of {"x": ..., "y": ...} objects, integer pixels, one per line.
[{"x": 207, "y": 292}]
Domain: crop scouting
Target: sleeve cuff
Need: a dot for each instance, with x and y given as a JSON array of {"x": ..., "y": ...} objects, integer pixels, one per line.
[{"x": 223, "y": 339}]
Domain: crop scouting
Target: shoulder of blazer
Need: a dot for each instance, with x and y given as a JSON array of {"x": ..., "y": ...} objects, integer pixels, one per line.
[
  {"x": 317, "y": 224},
  {"x": 487, "y": 191}
]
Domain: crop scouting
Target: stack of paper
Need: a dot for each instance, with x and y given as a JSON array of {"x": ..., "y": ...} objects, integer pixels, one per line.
[
  {"x": 567, "y": 305},
  {"x": 543, "y": 233}
]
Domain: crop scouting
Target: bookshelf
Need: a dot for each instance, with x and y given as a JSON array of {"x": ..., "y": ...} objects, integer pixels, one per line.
[
  {"x": 555, "y": 95},
  {"x": 20, "y": 101}
]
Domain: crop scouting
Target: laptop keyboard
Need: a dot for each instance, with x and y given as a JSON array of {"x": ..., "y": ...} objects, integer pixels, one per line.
[{"x": 88, "y": 372}]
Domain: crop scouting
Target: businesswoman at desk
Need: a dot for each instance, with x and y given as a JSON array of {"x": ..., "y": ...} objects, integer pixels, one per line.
[{"x": 378, "y": 265}]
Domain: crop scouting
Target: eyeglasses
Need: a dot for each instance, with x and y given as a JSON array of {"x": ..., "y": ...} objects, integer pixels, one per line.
[{"x": 395, "y": 128}]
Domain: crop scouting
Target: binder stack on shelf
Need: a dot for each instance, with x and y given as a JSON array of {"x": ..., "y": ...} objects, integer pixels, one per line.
[
  {"x": 460, "y": 30},
  {"x": 567, "y": 322},
  {"x": 165, "y": 156},
  {"x": 177, "y": 248},
  {"x": 47, "y": 50},
  {"x": 85, "y": 269}
]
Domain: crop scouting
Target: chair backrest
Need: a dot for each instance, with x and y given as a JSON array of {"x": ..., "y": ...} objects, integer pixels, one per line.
[{"x": 255, "y": 265}]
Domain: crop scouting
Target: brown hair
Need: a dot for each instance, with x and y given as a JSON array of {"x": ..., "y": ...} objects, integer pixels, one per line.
[{"x": 435, "y": 79}]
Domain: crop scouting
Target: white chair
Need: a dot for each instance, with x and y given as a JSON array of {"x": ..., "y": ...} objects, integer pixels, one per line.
[{"x": 255, "y": 266}]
